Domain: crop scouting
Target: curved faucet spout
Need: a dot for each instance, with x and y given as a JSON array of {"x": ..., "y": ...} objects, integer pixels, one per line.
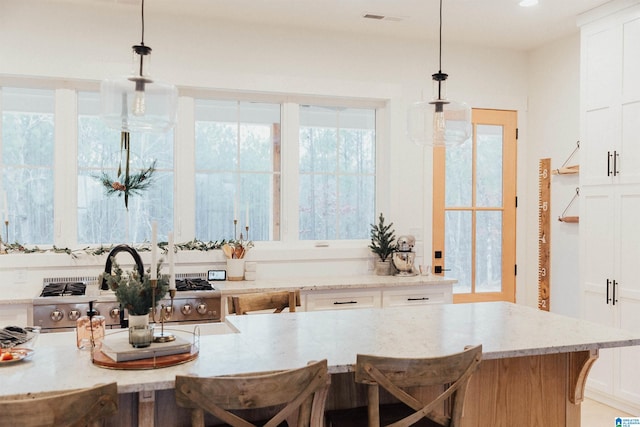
[{"x": 113, "y": 253}]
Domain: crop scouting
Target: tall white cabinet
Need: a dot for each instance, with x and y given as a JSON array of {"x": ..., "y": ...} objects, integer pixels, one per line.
[{"x": 610, "y": 192}]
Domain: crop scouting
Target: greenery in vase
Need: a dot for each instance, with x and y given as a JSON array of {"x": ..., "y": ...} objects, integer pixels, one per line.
[
  {"x": 382, "y": 239},
  {"x": 134, "y": 294}
]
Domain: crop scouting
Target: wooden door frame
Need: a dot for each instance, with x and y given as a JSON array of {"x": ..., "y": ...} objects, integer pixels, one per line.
[{"x": 507, "y": 119}]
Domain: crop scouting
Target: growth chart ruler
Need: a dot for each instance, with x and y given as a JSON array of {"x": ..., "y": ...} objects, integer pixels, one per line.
[{"x": 544, "y": 234}]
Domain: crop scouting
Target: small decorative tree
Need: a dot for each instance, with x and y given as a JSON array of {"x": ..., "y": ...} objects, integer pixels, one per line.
[{"x": 382, "y": 243}]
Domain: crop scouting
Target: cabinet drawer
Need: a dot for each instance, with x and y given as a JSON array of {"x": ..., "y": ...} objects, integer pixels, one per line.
[
  {"x": 422, "y": 296},
  {"x": 340, "y": 300}
]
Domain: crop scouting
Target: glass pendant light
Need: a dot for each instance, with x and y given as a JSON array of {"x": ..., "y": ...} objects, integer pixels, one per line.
[
  {"x": 441, "y": 121},
  {"x": 137, "y": 102}
]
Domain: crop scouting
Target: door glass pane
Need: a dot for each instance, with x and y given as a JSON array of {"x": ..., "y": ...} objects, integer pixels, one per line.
[
  {"x": 489, "y": 166},
  {"x": 458, "y": 254},
  {"x": 489, "y": 251},
  {"x": 459, "y": 171}
]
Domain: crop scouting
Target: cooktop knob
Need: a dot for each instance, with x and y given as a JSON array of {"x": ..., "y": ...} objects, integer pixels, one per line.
[
  {"x": 186, "y": 309},
  {"x": 74, "y": 314},
  {"x": 57, "y": 315},
  {"x": 114, "y": 313},
  {"x": 202, "y": 308}
]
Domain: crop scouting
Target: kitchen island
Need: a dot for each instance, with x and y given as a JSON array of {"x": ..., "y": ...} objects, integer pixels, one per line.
[{"x": 534, "y": 367}]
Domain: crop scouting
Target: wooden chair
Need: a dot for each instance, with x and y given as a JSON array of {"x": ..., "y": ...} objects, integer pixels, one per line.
[
  {"x": 75, "y": 408},
  {"x": 398, "y": 376},
  {"x": 278, "y": 301},
  {"x": 295, "y": 394}
]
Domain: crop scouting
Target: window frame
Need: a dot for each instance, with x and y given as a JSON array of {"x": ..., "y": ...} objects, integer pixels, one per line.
[{"x": 66, "y": 168}]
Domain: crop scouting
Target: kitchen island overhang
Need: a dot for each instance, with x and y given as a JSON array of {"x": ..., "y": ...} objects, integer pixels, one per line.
[{"x": 534, "y": 362}]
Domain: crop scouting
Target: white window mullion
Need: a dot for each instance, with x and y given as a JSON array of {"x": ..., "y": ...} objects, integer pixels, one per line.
[
  {"x": 184, "y": 203},
  {"x": 290, "y": 166},
  {"x": 65, "y": 170}
]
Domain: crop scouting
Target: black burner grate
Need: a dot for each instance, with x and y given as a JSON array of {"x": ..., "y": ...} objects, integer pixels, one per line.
[
  {"x": 195, "y": 284},
  {"x": 60, "y": 289}
]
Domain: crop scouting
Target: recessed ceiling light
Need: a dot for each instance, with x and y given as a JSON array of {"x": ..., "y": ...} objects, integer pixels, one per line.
[{"x": 528, "y": 3}]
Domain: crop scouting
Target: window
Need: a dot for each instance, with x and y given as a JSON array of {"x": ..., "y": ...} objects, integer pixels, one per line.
[
  {"x": 103, "y": 219},
  {"x": 337, "y": 172},
  {"x": 237, "y": 169},
  {"x": 27, "y": 158}
]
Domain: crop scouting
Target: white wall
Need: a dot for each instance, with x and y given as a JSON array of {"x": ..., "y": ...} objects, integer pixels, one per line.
[
  {"x": 554, "y": 116},
  {"x": 92, "y": 42}
]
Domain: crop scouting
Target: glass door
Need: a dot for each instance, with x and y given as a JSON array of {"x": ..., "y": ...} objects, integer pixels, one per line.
[{"x": 475, "y": 210}]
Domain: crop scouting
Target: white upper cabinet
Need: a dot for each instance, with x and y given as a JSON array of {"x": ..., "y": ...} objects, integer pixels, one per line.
[{"x": 610, "y": 141}]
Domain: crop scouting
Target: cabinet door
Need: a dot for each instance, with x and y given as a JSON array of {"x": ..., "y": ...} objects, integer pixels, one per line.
[
  {"x": 431, "y": 294},
  {"x": 597, "y": 206},
  {"x": 343, "y": 299},
  {"x": 627, "y": 296},
  {"x": 601, "y": 81},
  {"x": 627, "y": 374},
  {"x": 597, "y": 210}
]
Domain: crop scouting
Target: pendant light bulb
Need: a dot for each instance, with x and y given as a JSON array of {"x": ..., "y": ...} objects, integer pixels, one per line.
[
  {"x": 439, "y": 122},
  {"x": 138, "y": 102}
]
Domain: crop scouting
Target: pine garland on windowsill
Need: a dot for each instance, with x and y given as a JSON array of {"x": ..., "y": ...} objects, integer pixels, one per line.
[{"x": 193, "y": 245}]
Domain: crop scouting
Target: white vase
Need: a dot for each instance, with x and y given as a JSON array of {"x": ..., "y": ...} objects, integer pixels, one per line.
[{"x": 235, "y": 269}]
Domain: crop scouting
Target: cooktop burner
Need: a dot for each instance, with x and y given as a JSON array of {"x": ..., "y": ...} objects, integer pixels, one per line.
[
  {"x": 60, "y": 289},
  {"x": 194, "y": 284}
]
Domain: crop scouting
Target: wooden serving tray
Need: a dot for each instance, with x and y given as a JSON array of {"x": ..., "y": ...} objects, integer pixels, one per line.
[{"x": 104, "y": 361}]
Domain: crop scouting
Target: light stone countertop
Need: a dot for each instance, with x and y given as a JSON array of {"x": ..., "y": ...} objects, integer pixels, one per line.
[
  {"x": 24, "y": 294},
  {"x": 268, "y": 342},
  {"x": 328, "y": 283}
]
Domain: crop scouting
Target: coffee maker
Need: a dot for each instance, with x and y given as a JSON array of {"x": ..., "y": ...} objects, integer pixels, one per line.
[{"x": 404, "y": 257}]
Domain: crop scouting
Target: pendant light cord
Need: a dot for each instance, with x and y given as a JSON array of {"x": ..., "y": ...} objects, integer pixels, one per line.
[
  {"x": 440, "y": 40},
  {"x": 142, "y": 17}
]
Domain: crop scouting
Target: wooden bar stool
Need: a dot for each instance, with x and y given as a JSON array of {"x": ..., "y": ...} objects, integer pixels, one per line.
[
  {"x": 277, "y": 301},
  {"x": 75, "y": 408},
  {"x": 400, "y": 375},
  {"x": 298, "y": 394}
]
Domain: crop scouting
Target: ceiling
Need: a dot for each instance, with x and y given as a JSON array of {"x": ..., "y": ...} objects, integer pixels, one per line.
[{"x": 494, "y": 23}]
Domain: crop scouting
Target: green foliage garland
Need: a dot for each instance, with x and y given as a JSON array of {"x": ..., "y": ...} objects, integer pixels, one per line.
[
  {"x": 133, "y": 184},
  {"x": 193, "y": 245}
]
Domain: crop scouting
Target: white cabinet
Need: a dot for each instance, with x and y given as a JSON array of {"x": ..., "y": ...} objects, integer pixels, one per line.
[
  {"x": 610, "y": 259},
  {"x": 610, "y": 116},
  {"x": 610, "y": 193},
  {"x": 417, "y": 295},
  {"x": 339, "y": 299},
  {"x": 393, "y": 296}
]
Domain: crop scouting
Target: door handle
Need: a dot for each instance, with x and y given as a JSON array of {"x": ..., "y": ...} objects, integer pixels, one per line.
[
  {"x": 344, "y": 302},
  {"x": 609, "y": 163},
  {"x": 616, "y": 156},
  {"x": 437, "y": 269},
  {"x": 615, "y": 300},
  {"x": 608, "y": 299}
]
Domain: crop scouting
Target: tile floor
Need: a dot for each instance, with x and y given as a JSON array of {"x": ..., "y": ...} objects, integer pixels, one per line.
[{"x": 595, "y": 414}]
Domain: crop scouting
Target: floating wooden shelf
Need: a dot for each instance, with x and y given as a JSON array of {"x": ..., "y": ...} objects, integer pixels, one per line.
[{"x": 566, "y": 170}]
